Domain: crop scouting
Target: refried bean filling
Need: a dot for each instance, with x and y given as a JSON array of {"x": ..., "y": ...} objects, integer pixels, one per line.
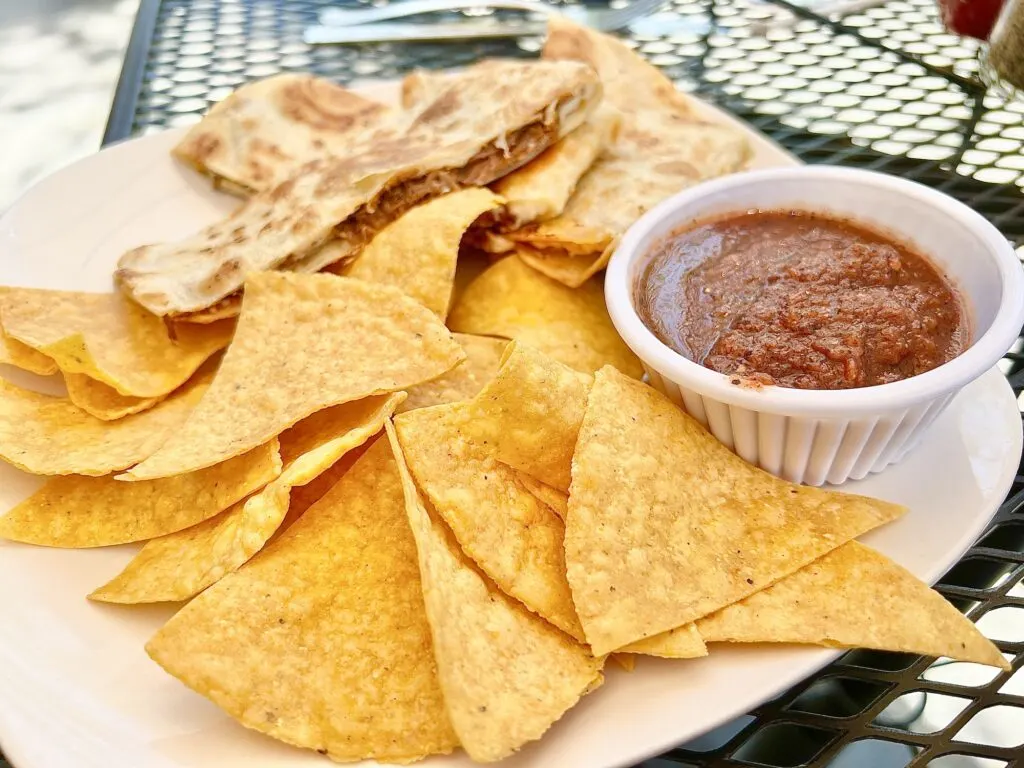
[{"x": 800, "y": 300}]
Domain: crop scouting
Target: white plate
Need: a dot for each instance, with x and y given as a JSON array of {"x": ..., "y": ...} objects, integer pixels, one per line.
[{"x": 76, "y": 687}]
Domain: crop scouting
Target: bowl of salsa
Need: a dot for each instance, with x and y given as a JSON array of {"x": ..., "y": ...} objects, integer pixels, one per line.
[{"x": 818, "y": 319}]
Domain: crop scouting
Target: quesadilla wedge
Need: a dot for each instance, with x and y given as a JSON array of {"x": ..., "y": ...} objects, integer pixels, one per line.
[
  {"x": 265, "y": 130},
  {"x": 541, "y": 188},
  {"x": 662, "y": 146},
  {"x": 484, "y": 124}
]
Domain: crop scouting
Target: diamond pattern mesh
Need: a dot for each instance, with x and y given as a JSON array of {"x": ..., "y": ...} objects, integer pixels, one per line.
[{"x": 885, "y": 88}]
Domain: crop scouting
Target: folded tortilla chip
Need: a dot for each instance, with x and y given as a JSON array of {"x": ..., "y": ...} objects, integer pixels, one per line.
[
  {"x": 181, "y": 565},
  {"x": 418, "y": 252},
  {"x": 680, "y": 643},
  {"x": 483, "y": 356},
  {"x": 515, "y": 301},
  {"x": 103, "y": 401},
  {"x": 554, "y": 498},
  {"x": 541, "y": 189},
  {"x": 507, "y": 676},
  {"x": 13, "y": 352},
  {"x": 322, "y": 640},
  {"x": 529, "y": 415},
  {"x": 448, "y": 144},
  {"x": 266, "y": 129},
  {"x": 662, "y": 148},
  {"x": 513, "y": 537},
  {"x": 77, "y": 511},
  {"x": 854, "y": 597},
  {"x": 667, "y": 525},
  {"x": 304, "y": 343},
  {"x": 48, "y": 435},
  {"x": 108, "y": 338}
]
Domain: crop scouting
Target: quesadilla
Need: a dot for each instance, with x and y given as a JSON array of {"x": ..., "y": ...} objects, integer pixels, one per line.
[
  {"x": 661, "y": 147},
  {"x": 541, "y": 188},
  {"x": 265, "y": 130},
  {"x": 484, "y": 124}
]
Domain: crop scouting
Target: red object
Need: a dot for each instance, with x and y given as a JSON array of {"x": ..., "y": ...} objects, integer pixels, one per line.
[{"x": 971, "y": 18}]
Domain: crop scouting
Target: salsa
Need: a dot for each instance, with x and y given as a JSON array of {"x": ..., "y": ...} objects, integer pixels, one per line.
[{"x": 800, "y": 300}]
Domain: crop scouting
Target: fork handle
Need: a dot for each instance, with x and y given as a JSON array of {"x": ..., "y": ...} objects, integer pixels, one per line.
[
  {"x": 344, "y": 17},
  {"x": 411, "y": 31}
]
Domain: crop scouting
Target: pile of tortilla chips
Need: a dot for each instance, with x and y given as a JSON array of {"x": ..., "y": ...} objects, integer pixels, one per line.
[{"x": 415, "y": 502}]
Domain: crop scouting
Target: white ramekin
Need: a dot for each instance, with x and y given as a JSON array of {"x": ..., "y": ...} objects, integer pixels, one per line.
[{"x": 819, "y": 436}]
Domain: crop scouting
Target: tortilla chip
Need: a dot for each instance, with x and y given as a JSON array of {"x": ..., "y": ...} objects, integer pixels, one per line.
[
  {"x": 103, "y": 401},
  {"x": 109, "y": 338},
  {"x": 514, "y": 301},
  {"x": 322, "y": 640},
  {"x": 80, "y": 512},
  {"x": 51, "y": 436},
  {"x": 417, "y": 253},
  {"x": 530, "y": 414},
  {"x": 572, "y": 269},
  {"x": 507, "y": 676},
  {"x": 667, "y": 525},
  {"x": 304, "y": 343},
  {"x": 540, "y": 189},
  {"x": 181, "y": 565},
  {"x": 483, "y": 356},
  {"x": 626, "y": 661},
  {"x": 13, "y": 352},
  {"x": 661, "y": 148},
  {"x": 854, "y": 597},
  {"x": 557, "y": 501},
  {"x": 514, "y": 538},
  {"x": 680, "y": 643}
]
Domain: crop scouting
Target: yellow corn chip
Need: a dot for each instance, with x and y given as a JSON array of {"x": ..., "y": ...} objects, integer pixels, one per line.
[
  {"x": 322, "y": 640},
  {"x": 514, "y": 538},
  {"x": 51, "y": 436},
  {"x": 103, "y": 401},
  {"x": 417, "y": 253},
  {"x": 530, "y": 414},
  {"x": 854, "y": 597},
  {"x": 304, "y": 343},
  {"x": 680, "y": 643},
  {"x": 506, "y": 675},
  {"x": 667, "y": 525},
  {"x": 483, "y": 356},
  {"x": 541, "y": 188},
  {"x": 571, "y": 269},
  {"x": 554, "y": 498},
  {"x": 178, "y": 566},
  {"x": 514, "y": 301},
  {"x": 625, "y": 660},
  {"x": 13, "y": 352},
  {"x": 77, "y": 511},
  {"x": 109, "y": 338},
  {"x": 304, "y": 496}
]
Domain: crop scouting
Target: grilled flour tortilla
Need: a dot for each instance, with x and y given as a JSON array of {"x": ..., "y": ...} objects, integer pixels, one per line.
[
  {"x": 662, "y": 146},
  {"x": 265, "y": 130},
  {"x": 484, "y": 124},
  {"x": 541, "y": 188}
]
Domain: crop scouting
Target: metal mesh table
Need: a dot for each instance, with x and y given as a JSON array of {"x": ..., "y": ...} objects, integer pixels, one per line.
[{"x": 886, "y": 88}]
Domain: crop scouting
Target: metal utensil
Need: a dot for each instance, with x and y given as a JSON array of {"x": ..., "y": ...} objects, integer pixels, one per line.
[
  {"x": 364, "y": 30},
  {"x": 606, "y": 20},
  {"x": 385, "y": 32}
]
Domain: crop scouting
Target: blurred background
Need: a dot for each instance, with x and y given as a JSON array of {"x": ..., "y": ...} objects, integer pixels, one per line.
[{"x": 59, "y": 63}]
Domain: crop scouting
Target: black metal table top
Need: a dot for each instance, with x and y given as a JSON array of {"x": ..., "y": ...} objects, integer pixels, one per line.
[{"x": 886, "y": 88}]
